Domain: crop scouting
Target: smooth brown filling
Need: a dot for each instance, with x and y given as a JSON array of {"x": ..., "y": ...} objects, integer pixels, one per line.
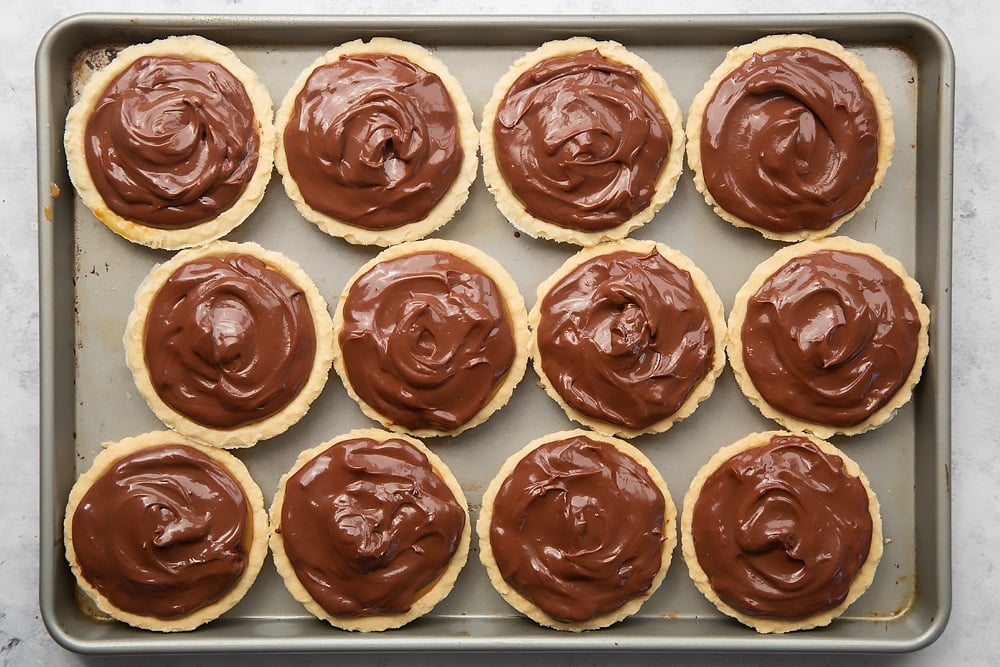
[
  {"x": 426, "y": 340},
  {"x": 830, "y": 337},
  {"x": 368, "y": 526},
  {"x": 789, "y": 140},
  {"x": 164, "y": 532},
  {"x": 373, "y": 141},
  {"x": 782, "y": 530},
  {"x": 172, "y": 142},
  {"x": 581, "y": 142},
  {"x": 229, "y": 341},
  {"x": 577, "y": 528},
  {"x": 625, "y": 338}
]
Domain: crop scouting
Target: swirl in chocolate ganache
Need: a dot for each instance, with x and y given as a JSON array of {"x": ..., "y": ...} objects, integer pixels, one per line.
[
  {"x": 426, "y": 340},
  {"x": 781, "y": 529},
  {"x": 577, "y": 528},
  {"x": 228, "y": 341},
  {"x": 830, "y": 337},
  {"x": 171, "y": 142},
  {"x": 368, "y": 526},
  {"x": 789, "y": 140},
  {"x": 581, "y": 142},
  {"x": 164, "y": 532},
  {"x": 373, "y": 141}
]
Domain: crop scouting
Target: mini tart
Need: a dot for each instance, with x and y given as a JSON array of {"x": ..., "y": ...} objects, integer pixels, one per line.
[
  {"x": 540, "y": 189},
  {"x": 370, "y": 530},
  {"x": 400, "y": 130},
  {"x": 211, "y": 361},
  {"x": 828, "y": 336},
  {"x": 432, "y": 337},
  {"x": 163, "y": 533},
  {"x": 827, "y": 107},
  {"x": 194, "y": 164},
  {"x": 616, "y": 317},
  {"x": 761, "y": 541},
  {"x": 552, "y": 535}
]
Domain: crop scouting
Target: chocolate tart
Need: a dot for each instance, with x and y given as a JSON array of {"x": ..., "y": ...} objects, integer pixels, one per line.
[
  {"x": 628, "y": 337},
  {"x": 229, "y": 343},
  {"x": 369, "y": 530},
  {"x": 829, "y": 336},
  {"x": 781, "y": 531},
  {"x": 432, "y": 337},
  {"x": 577, "y": 530},
  {"x": 790, "y": 136},
  {"x": 163, "y": 533},
  {"x": 376, "y": 142},
  {"x": 582, "y": 142},
  {"x": 171, "y": 145}
]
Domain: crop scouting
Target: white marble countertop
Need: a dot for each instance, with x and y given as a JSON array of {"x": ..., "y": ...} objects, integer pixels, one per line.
[{"x": 970, "y": 638}]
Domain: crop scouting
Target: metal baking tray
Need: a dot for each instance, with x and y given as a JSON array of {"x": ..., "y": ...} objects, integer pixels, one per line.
[{"x": 88, "y": 275}]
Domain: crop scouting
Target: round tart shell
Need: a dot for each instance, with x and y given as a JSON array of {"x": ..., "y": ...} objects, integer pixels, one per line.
[
  {"x": 713, "y": 305},
  {"x": 516, "y": 312},
  {"x": 453, "y": 199},
  {"x": 508, "y": 203},
  {"x": 764, "y": 625},
  {"x": 734, "y": 339},
  {"x": 430, "y": 597},
  {"x": 107, "y": 458},
  {"x": 193, "y": 48},
  {"x": 248, "y": 434},
  {"x": 735, "y": 59},
  {"x": 526, "y": 606}
]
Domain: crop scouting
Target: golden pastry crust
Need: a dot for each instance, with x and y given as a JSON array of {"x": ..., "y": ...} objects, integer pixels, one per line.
[
  {"x": 193, "y": 48},
  {"x": 108, "y": 457},
  {"x": 734, "y": 335},
  {"x": 734, "y": 59},
  {"x": 248, "y": 434},
  {"x": 862, "y": 580},
  {"x": 526, "y": 606},
  {"x": 516, "y": 312},
  {"x": 427, "y": 599},
  {"x": 457, "y": 193},
  {"x": 713, "y": 305},
  {"x": 508, "y": 203}
]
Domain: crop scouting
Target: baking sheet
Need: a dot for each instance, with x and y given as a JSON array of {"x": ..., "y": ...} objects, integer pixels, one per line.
[{"x": 88, "y": 276}]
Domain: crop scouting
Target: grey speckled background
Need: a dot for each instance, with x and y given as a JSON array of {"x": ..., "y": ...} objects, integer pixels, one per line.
[{"x": 971, "y": 637}]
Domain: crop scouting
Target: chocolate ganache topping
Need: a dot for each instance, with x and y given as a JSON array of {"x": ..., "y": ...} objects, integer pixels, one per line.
[
  {"x": 789, "y": 140},
  {"x": 830, "y": 337},
  {"x": 781, "y": 529},
  {"x": 229, "y": 341},
  {"x": 164, "y": 532},
  {"x": 368, "y": 526},
  {"x": 172, "y": 142},
  {"x": 373, "y": 141},
  {"x": 625, "y": 338},
  {"x": 577, "y": 528},
  {"x": 426, "y": 339},
  {"x": 581, "y": 142}
]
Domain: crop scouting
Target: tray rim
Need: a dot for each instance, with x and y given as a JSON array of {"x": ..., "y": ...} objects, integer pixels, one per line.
[{"x": 53, "y": 311}]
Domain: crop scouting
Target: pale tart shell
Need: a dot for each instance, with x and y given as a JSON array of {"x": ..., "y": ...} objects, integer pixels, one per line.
[
  {"x": 734, "y": 336},
  {"x": 249, "y": 434},
  {"x": 190, "y": 47},
  {"x": 111, "y": 454},
  {"x": 508, "y": 203},
  {"x": 735, "y": 59},
  {"x": 526, "y": 606},
  {"x": 763, "y": 625},
  {"x": 454, "y": 198},
  {"x": 516, "y": 311},
  {"x": 430, "y": 597},
  {"x": 713, "y": 305}
]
